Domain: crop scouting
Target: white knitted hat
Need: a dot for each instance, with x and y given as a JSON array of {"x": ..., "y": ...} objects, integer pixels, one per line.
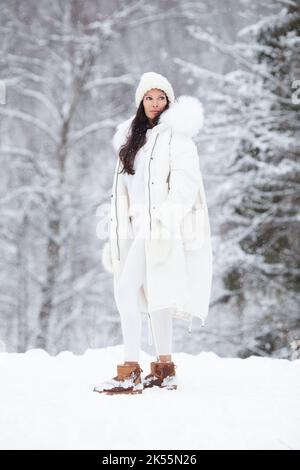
[{"x": 153, "y": 80}]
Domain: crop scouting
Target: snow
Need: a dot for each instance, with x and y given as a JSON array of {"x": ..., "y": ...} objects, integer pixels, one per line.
[{"x": 47, "y": 402}]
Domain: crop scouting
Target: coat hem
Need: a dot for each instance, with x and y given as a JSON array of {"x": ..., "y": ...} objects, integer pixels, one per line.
[{"x": 178, "y": 313}]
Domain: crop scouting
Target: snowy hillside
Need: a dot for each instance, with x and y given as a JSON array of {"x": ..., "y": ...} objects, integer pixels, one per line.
[{"x": 48, "y": 402}]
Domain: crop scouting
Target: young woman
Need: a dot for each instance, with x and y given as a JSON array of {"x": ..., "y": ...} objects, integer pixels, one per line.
[{"x": 159, "y": 249}]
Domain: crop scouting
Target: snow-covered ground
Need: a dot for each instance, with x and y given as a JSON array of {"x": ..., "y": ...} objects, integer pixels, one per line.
[{"x": 48, "y": 402}]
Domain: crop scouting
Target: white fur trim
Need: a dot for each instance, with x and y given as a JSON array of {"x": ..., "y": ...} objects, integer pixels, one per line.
[
  {"x": 121, "y": 134},
  {"x": 185, "y": 116}
]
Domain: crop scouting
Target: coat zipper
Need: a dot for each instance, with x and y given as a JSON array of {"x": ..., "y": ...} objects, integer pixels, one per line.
[
  {"x": 116, "y": 208},
  {"x": 151, "y": 158},
  {"x": 168, "y": 179}
]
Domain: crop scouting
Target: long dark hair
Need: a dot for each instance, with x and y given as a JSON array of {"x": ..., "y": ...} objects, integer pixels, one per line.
[{"x": 137, "y": 137}]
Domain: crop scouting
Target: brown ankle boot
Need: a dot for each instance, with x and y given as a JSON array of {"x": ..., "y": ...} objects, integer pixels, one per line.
[
  {"x": 162, "y": 375},
  {"x": 128, "y": 380}
]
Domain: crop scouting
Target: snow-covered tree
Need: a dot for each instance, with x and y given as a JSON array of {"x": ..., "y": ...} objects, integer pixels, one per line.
[
  {"x": 253, "y": 130},
  {"x": 55, "y": 128}
]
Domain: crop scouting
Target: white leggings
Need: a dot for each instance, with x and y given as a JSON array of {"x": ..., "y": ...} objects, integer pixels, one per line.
[{"x": 132, "y": 279}]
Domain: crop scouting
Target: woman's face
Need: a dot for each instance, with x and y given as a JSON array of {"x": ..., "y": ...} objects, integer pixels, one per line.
[{"x": 154, "y": 102}]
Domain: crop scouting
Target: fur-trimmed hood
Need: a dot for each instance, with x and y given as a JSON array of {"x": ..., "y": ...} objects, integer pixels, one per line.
[{"x": 184, "y": 116}]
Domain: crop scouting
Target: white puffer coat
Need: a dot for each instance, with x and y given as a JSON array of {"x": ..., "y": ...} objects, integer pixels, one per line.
[{"x": 178, "y": 241}]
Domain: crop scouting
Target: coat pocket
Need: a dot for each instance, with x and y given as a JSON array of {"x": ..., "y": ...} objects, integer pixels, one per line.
[
  {"x": 193, "y": 228},
  {"x": 160, "y": 243}
]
